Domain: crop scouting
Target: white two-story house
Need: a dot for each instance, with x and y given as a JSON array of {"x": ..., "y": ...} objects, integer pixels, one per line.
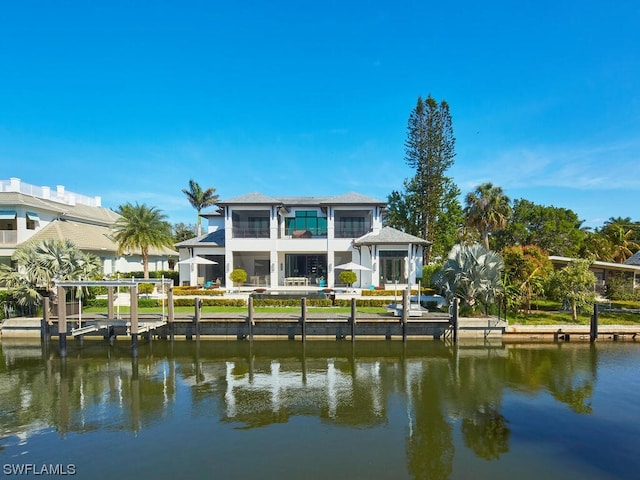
[
  {"x": 301, "y": 242},
  {"x": 32, "y": 213}
]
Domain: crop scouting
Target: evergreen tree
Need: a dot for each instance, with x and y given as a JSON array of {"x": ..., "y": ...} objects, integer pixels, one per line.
[{"x": 428, "y": 198}]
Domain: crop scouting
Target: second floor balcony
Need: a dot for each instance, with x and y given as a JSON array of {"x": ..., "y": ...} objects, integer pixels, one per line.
[{"x": 8, "y": 237}]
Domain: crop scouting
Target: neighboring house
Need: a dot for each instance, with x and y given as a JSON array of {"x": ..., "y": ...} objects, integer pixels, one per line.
[
  {"x": 604, "y": 270},
  {"x": 299, "y": 241},
  {"x": 30, "y": 213}
]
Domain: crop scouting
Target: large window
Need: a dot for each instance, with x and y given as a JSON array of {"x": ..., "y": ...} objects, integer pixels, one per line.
[
  {"x": 307, "y": 221},
  {"x": 350, "y": 227}
]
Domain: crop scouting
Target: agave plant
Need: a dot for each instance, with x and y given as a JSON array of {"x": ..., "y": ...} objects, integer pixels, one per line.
[{"x": 472, "y": 274}]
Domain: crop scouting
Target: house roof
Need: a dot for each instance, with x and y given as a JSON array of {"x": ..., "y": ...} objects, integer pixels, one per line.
[
  {"x": 87, "y": 237},
  {"x": 390, "y": 236},
  {"x": 213, "y": 239},
  {"x": 257, "y": 198},
  {"x": 79, "y": 212},
  {"x": 621, "y": 267},
  {"x": 633, "y": 259}
]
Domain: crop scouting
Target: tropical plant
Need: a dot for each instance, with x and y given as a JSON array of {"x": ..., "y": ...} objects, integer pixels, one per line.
[
  {"x": 618, "y": 232},
  {"x": 40, "y": 264},
  {"x": 199, "y": 199},
  {"x": 348, "y": 277},
  {"x": 525, "y": 270},
  {"x": 575, "y": 284},
  {"x": 140, "y": 228},
  {"x": 238, "y": 276},
  {"x": 472, "y": 274},
  {"x": 487, "y": 210}
]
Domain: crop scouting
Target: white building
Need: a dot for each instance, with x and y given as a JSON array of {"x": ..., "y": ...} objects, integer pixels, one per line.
[
  {"x": 32, "y": 213},
  {"x": 300, "y": 241}
]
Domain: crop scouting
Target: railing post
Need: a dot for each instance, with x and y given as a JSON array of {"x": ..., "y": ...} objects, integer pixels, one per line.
[{"x": 170, "y": 312}]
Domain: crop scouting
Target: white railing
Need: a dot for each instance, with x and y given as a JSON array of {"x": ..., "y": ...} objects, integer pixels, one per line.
[
  {"x": 58, "y": 194},
  {"x": 8, "y": 237}
]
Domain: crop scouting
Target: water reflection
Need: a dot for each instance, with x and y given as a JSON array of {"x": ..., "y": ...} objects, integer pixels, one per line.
[{"x": 442, "y": 391}]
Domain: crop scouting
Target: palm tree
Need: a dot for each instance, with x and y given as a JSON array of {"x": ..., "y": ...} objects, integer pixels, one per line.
[
  {"x": 487, "y": 210},
  {"x": 139, "y": 228},
  {"x": 39, "y": 264},
  {"x": 200, "y": 199},
  {"x": 617, "y": 231}
]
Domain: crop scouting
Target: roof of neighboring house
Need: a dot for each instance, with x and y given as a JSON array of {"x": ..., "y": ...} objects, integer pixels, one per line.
[
  {"x": 79, "y": 212},
  {"x": 258, "y": 198},
  {"x": 633, "y": 259},
  {"x": 213, "y": 239},
  {"x": 390, "y": 236},
  {"x": 87, "y": 237},
  {"x": 623, "y": 267}
]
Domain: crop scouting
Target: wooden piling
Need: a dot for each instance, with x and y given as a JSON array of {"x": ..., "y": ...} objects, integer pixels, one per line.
[
  {"x": 45, "y": 331},
  {"x": 196, "y": 318},
  {"x": 133, "y": 293},
  {"x": 454, "y": 319},
  {"x": 352, "y": 319},
  {"x": 405, "y": 312},
  {"x": 170, "y": 313},
  {"x": 593, "y": 330},
  {"x": 62, "y": 320},
  {"x": 303, "y": 318},
  {"x": 110, "y": 302},
  {"x": 250, "y": 318}
]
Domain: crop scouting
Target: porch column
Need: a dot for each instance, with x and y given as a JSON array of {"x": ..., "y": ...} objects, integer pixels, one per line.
[{"x": 274, "y": 269}]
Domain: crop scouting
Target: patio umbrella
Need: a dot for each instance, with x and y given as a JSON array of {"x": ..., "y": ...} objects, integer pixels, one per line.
[
  {"x": 196, "y": 261},
  {"x": 352, "y": 266}
]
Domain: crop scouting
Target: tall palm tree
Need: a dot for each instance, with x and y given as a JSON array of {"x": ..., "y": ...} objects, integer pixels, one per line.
[
  {"x": 139, "y": 228},
  {"x": 487, "y": 210},
  {"x": 200, "y": 199},
  {"x": 617, "y": 231}
]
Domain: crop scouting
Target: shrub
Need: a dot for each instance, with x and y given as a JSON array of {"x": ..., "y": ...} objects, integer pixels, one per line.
[
  {"x": 348, "y": 277},
  {"x": 145, "y": 288},
  {"x": 238, "y": 276},
  {"x": 213, "y": 292}
]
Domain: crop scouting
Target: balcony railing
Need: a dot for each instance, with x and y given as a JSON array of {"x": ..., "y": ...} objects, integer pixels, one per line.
[
  {"x": 250, "y": 232},
  {"x": 8, "y": 237}
]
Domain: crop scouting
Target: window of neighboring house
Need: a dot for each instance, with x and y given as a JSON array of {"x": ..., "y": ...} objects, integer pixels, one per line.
[
  {"x": 307, "y": 220},
  {"x": 33, "y": 220}
]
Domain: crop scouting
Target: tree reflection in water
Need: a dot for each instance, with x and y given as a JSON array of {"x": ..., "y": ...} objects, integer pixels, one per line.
[{"x": 443, "y": 388}]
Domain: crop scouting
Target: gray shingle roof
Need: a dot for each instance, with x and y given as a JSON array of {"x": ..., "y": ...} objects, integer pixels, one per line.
[
  {"x": 213, "y": 239},
  {"x": 633, "y": 259},
  {"x": 389, "y": 236},
  {"x": 257, "y": 198}
]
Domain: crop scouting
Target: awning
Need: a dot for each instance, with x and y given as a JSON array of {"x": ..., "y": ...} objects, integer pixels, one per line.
[
  {"x": 33, "y": 216},
  {"x": 8, "y": 214}
]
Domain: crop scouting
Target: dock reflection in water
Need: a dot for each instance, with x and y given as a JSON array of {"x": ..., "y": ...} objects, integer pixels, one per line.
[{"x": 370, "y": 409}]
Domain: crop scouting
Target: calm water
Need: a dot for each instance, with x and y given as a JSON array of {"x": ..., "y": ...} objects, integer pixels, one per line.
[{"x": 280, "y": 409}]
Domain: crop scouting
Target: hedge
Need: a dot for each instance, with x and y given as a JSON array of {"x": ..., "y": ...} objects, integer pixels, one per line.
[
  {"x": 201, "y": 292},
  {"x": 398, "y": 292}
]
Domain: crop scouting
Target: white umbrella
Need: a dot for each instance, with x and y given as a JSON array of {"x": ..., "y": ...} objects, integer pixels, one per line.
[
  {"x": 352, "y": 266},
  {"x": 196, "y": 261}
]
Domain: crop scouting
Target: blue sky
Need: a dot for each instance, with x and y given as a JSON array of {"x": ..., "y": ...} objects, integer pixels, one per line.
[{"x": 129, "y": 100}]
